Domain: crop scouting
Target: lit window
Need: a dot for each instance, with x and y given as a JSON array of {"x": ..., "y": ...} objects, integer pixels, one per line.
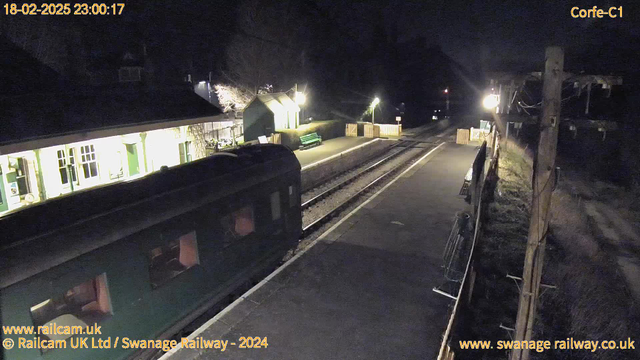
[
  {"x": 237, "y": 224},
  {"x": 83, "y": 305},
  {"x": 62, "y": 166},
  {"x": 293, "y": 196},
  {"x": 88, "y": 160},
  {"x": 172, "y": 259},
  {"x": 275, "y": 205},
  {"x": 66, "y": 167},
  {"x": 185, "y": 152},
  {"x": 72, "y": 162}
]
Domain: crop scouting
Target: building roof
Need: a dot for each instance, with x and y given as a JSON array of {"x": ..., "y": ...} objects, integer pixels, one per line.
[
  {"x": 276, "y": 102},
  {"x": 287, "y": 102},
  {"x": 21, "y": 73},
  {"x": 41, "y": 116}
]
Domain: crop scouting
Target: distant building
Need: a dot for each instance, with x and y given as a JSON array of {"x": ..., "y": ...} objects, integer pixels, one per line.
[
  {"x": 269, "y": 113},
  {"x": 54, "y": 144},
  {"x": 118, "y": 67}
]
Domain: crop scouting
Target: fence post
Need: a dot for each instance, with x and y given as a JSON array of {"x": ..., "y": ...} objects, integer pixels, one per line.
[{"x": 544, "y": 167}]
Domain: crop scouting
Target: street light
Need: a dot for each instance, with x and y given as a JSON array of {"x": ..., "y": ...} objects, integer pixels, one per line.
[
  {"x": 490, "y": 102},
  {"x": 446, "y": 91},
  {"x": 300, "y": 98},
  {"x": 375, "y": 102}
]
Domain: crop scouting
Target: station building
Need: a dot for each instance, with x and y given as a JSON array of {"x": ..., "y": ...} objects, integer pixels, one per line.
[
  {"x": 269, "y": 113},
  {"x": 54, "y": 144}
]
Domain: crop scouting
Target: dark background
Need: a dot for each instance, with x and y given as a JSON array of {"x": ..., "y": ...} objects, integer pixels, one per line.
[{"x": 342, "y": 53}]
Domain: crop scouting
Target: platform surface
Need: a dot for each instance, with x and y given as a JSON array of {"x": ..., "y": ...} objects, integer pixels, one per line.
[
  {"x": 363, "y": 291},
  {"x": 328, "y": 148}
]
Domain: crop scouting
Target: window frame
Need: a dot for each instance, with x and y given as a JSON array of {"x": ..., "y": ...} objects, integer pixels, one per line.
[
  {"x": 231, "y": 236},
  {"x": 293, "y": 196},
  {"x": 97, "y": 309},
  {"x": 88, "y": 156},
  {"x": 187, "y": 244},
  {"x": 276, "y": 205},
  {"x": 129, "y": 74},
  {"x": 68, "y": 165}
]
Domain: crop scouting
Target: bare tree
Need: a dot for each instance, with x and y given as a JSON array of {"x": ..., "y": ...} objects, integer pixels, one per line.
[
  {"x": 267, "y": 48},
  {"x": 231, "y": 97}
]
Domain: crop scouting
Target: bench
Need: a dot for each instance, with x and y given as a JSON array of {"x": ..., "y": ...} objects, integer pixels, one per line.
[{"x": 310, "y": 140}]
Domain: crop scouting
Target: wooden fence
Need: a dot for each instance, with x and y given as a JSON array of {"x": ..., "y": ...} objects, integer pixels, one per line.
[
  {"x": 377, "y": 130},
  {"x": 390, "y": 129},
  {"x": 371, "y": 131},
  {"x": 351, "y": 130}
]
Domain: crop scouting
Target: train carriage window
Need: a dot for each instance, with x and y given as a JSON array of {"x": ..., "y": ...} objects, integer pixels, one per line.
[
  {"x": 172, "y": 259},
  {"x": 275, "y": 206},
  {"x": 81, "y": 306},
  {"x": 293, "y": 196},
  {"x": 237, "y": 224}
]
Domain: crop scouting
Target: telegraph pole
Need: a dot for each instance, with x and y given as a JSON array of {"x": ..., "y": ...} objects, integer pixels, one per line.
[{"x": 543, "y": 182}]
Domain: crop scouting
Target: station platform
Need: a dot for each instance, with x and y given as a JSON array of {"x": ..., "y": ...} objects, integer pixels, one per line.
[
  {"x": 363, "y": 289},
  {"x": 329, "y": 148}
]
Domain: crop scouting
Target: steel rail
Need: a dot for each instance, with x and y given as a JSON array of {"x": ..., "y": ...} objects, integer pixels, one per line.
[
  {"x": 305, "y": 205},
  {"x": 310, "y": 228}
]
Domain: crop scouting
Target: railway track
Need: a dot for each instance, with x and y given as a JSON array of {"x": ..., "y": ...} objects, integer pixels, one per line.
[
  {"x": 325, "y": 197},
  {"x": 317, "y": 223},
  {"x": 305, "y": 205},
  {"x": 400, "y": 143}
]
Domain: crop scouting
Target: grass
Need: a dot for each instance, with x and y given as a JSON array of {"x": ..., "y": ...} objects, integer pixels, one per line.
[
  {"x": 591, "y": 301},
  {"x": 592, "y": 298},
  {"x": 500, "y": 252}
]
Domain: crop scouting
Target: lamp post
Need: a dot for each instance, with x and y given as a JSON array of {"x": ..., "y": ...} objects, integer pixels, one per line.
[
  {"x": 375, "y": 102},
  {"x": 446, "y": 91},
  {"x": 300, "y": 98}
]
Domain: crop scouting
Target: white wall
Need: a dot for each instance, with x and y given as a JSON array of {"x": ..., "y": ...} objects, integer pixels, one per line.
[{"x": 161, "y": 147}]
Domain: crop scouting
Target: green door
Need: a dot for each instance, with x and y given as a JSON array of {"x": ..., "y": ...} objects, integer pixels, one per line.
[{"x": 132, "y": 158}]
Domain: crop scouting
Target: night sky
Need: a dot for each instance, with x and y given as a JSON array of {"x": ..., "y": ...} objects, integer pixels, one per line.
[
  {"x": 349, "y": 51},
  {"x": 477, "y": 34},
  {"x": 485, "y": 33}
]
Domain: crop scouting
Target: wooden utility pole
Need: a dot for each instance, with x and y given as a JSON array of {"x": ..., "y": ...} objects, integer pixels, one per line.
[{"x": 543, "y": 182}]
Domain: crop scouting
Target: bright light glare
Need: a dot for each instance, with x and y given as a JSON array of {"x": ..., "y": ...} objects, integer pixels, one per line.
[
  {"x": 375, "y": 102},
  {"x": 446, "y": 91},
  {"x": 300, "y": 98},
  {"x": 490, "y": 102}
]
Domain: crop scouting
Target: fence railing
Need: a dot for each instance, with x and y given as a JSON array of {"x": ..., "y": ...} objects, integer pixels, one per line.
[{"x": 483, "y": 179}]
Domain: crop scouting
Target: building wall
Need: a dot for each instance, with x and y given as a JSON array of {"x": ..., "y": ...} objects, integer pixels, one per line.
[
  {"x": 162, "y": 148},
  {"x": 58, "y": 170},
  {"x": 258, "y": 121}
]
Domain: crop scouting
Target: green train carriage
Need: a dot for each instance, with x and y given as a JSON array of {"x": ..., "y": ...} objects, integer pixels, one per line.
[{"x": 144, "y": 258}]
